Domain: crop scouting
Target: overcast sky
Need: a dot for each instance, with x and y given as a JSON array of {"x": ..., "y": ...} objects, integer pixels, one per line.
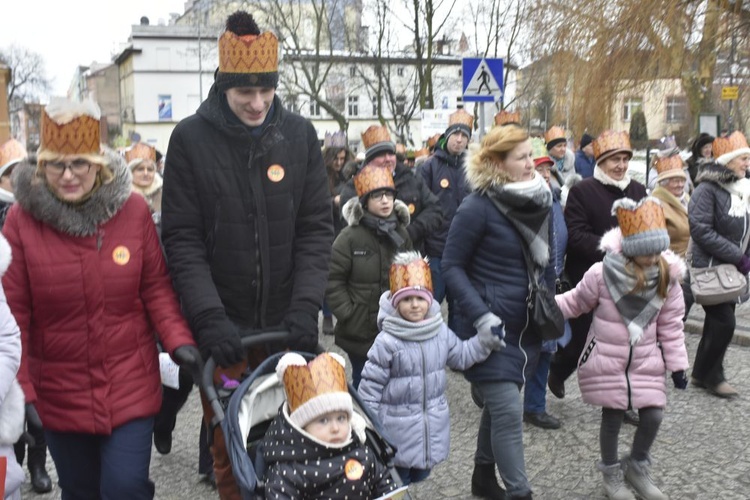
[{"x": 69, "y": 33}]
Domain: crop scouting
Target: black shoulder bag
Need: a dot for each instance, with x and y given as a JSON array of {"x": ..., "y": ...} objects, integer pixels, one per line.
[{"x": 542, "y": 314}]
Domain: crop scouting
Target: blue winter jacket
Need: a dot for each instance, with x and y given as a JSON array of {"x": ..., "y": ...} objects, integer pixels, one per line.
[
  {"x": 584, "y": 164},
  {"x": 403, "y": 382}
]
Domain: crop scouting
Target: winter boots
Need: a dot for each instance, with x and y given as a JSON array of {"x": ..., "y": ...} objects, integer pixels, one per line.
[
  {"x": 614, "y": 485},
  {"x": 327, "y": 325},
  {"x": 637, "y": 473},
  {"x": 484, "y": 483}
]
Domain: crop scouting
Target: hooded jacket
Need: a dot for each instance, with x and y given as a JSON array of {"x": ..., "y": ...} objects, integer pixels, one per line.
[
  {"x": 715, "y": 227},
  {"x": 484, "y": 267},
  {"x": 404, "y": 383},
  {"x": 612, "y": 373},
  {"x": 246, "y": 218},
  {"x": 88, "y": 286},
  {"x": 300, "y": 468},
  {"x": 443, "y": 173},
  {"x": 359, "y": 274}
]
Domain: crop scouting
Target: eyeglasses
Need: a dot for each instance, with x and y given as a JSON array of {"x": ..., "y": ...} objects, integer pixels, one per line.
[
  {"x": 76, "y": 167},
  {"x": 379, "y": 195}
]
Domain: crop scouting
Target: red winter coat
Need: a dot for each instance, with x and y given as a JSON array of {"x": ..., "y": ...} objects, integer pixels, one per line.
[{"x": 88, "y": 293}]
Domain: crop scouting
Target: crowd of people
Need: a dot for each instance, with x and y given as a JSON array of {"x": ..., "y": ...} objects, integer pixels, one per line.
[{"x": 106, "y": 261}]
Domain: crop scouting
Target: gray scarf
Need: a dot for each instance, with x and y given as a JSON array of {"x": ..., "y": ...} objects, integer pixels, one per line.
[
  {"x": 637, "y": 309},
  {"x": 527, "y": 205},
  {"x": 415, "y": 332},
  {"x": 384, "y": 227}
]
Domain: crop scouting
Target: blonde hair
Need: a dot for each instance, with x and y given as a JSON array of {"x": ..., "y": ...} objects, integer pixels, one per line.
[
  {"x": 662, "y": 286},
  {"x": 500, "y": 141},
  {"x": 45, "y": 156}
]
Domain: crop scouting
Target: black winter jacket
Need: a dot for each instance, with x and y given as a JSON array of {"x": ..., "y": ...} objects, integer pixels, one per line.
[
  {"x": 716, "y": 232},
  {"x": 424, "y": 207},
  {"x": 246, "y": 220}
]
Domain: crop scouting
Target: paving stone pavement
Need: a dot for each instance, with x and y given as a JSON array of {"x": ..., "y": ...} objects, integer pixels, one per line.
[{"x": 701, "y": 452}]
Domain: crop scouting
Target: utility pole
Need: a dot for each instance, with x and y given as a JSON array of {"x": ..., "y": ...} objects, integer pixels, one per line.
[{"x": 732, "y": 71}]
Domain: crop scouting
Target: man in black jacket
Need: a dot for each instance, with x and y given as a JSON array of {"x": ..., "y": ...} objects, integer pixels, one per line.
[
  {"x": 246, "y": 216},
  {"x": 424, "y": 207}
]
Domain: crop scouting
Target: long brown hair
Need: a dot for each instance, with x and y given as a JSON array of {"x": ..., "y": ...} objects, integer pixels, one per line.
[{"x": 662, "y": 286}]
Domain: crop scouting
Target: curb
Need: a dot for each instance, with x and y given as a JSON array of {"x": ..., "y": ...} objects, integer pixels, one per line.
[{"x": 741, "y": 332}]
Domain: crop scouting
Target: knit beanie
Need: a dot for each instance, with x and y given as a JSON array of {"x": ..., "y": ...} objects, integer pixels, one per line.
[
  {"x": 315, "y": 388},
  {"x": 247, "y": 57},
  {"x": 409, "y": 276},
  {"x": 643, "y": 226},
  {"x": 586, "y": 139}
]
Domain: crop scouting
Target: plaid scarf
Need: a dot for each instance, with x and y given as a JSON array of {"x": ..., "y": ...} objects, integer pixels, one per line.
[
  {"x": 527, "y": 205},
  {"x": 637, "y": 309}
]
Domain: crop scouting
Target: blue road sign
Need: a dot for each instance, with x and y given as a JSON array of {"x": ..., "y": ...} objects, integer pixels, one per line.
[{"x": 483, "y": 79}]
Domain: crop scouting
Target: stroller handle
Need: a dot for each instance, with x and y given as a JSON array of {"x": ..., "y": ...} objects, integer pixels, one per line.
[{"x": 249, "y": 339}]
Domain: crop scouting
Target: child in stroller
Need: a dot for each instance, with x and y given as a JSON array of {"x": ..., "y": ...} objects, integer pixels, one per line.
[{"x": 299, "y": 434}]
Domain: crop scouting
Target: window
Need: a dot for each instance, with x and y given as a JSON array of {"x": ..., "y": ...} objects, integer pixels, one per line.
[
  {"x": 314, "y": 108},
  {"x": 630, "y": 106},
  {"x": 352, "y": 71},
  {"x": 677, "y": 111},
  {"x": 400, "y": 105},
  {"x": 290, "y": 102},
  {"x": 400, "y": 71},
  {"x": 353, "y": 105}
]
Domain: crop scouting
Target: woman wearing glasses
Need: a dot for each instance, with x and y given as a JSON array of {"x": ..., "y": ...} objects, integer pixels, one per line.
[{"x": 88, "y": 286}]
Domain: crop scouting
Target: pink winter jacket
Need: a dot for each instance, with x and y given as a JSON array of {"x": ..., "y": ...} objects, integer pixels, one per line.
[{"x": 611, "y": 372}]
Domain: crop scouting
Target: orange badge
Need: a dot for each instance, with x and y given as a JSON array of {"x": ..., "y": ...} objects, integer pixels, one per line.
[
  {"x": 412, "y": 208},
  {"x": 444, "y": 183},
  {"x": 121, "y": 255},
  {"x": 275, "y": 173},
  {"x": 353, "y": 470}
]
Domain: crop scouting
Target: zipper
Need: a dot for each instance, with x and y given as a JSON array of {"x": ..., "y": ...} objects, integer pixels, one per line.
[
  {"x": 627, "y": 376},
  {"x": 99, "y": 239},
  {"x": 424, "y": 407}
]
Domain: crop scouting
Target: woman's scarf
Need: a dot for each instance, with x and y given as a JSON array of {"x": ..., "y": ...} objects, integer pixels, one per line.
[
  {"x": 739, "y": 193},
  {"x": 384, "y": 227},
  {"x": 637, "y": 309},
  {"x": 527, "y": 205},
  {"x": 408, "y": 330},
  {"x": 600, "y": 176}
]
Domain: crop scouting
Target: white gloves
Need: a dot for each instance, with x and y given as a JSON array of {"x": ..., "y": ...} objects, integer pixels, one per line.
[{"x": 491, "y": 331}]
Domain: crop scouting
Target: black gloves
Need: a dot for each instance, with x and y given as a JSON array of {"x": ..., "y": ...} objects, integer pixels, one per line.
[
  {"x": 303, "y": 331},
  {"x": 219, "y": 338},
  {"x": 680, "y": 379},
  {"x": 188, "y": 357},
  {"x": 32, "y": 417}
]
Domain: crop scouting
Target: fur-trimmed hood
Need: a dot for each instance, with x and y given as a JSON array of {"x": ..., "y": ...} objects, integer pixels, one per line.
[
  {"x": 716, "y": 173},
  {"x": 353, "y": 211},
  {"x": 82, "y": 220},
  {"x": 481, "y": 175},
  {"x": 611, "y": 242}
]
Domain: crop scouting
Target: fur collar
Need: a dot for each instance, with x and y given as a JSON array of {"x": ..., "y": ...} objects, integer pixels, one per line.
[
  {"x": 34, "y": 196},
  {"x": 481, "y": 175},
  {"x": 353, "y": 212},
  {"x": 716, "y": 173},
  {"x": 612, "y": 242}
]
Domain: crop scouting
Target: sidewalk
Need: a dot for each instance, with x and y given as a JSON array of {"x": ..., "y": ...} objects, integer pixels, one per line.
[{"x": 694, "y": 323}]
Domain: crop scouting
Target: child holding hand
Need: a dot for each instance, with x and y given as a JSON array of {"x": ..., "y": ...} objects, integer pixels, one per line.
[{"x": 636, "y": 337}]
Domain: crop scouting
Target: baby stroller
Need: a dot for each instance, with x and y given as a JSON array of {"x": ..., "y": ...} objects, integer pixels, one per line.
[{"x": 246, "y": 412}]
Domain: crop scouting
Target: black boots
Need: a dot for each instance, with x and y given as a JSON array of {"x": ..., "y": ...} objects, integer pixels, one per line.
[
  {"x": 484, "y": 483},
  {"x": 40, "y": 480}
]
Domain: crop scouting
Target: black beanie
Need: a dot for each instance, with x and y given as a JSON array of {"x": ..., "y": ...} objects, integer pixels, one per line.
[{"x": 586, "y": 139}]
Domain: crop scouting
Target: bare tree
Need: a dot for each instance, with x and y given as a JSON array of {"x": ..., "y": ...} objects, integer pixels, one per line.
[{"x": 28, "y": 81}]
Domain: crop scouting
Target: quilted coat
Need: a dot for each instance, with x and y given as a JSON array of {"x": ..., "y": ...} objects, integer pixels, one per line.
[
  {"x": 403, "y": 382},
  {"x": 716, "y": 230},
  {"x": 612, "y": 373},
  {"x": 359, "y": 274},
  {"x": 88, "y": 286}
]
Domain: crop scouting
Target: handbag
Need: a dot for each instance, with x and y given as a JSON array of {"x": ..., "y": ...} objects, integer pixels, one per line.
[
  {"x": 543, "y": 313},
  {"x": 718, "y": 284}
]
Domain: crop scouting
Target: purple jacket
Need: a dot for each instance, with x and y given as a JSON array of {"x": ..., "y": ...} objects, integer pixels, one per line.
[{"x": 611, "y": 372}]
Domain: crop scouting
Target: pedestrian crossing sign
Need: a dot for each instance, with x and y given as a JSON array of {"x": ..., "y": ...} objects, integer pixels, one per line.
[{"x": 482, "y": 79}]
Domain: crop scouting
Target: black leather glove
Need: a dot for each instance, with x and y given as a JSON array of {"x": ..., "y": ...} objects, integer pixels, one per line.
[
  {"x": 303, "y": 331},
  {"x": 32, "y": 417},
  {"x": 219, "y": 338},
  {"x": 188, "y": 357},
  {"x": 680, "y": 379}
]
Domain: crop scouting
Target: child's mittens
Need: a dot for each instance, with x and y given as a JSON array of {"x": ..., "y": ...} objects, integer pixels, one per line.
[
  {"x": 491, "y": 331},
  {"x": 744, "y": 265},
  {"x": 680, "y": 379}
]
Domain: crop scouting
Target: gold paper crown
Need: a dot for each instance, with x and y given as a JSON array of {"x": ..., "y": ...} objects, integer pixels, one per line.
[
  {"x": 422, "y": 152},
  {"x": 10, "y": 152},
  {"x": 320, "y": 376},
  {"x": 554, "y": 133},
  {"x": 400, "y": 149},
  {"x": 647, "y": 215},
  {"x": 433, "y": 140},
  {"x": 77, "y": 137},
  {"x": 611, "y": 142},
  {"x": 414, "y": 274},
  {"x": 461, "y": 117},
  {"x": 140, "y": 151},
  {"x": 503, "y": 117},
  {"x": 248, "y": 53},
  {"x": 670, "y": 166},
  {"x": 371, "y": 178},
  {"x": 374, "y": 135},
  {"x": 724, "y": 145},
  {"x": 335, "y": 140}
]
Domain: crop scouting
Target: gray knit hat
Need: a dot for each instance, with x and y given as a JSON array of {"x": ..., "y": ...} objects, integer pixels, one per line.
[{"x": 643, "y": 226}]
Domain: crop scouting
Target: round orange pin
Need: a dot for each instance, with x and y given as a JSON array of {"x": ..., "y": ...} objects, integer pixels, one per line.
[
  {"x": 275, "y": 173},
  {"x": 121, "y": 255},
  {"x": 412, "y": 208},
  {"x": 353, "y": 470},
  {"x": 444, "y": 183}
]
